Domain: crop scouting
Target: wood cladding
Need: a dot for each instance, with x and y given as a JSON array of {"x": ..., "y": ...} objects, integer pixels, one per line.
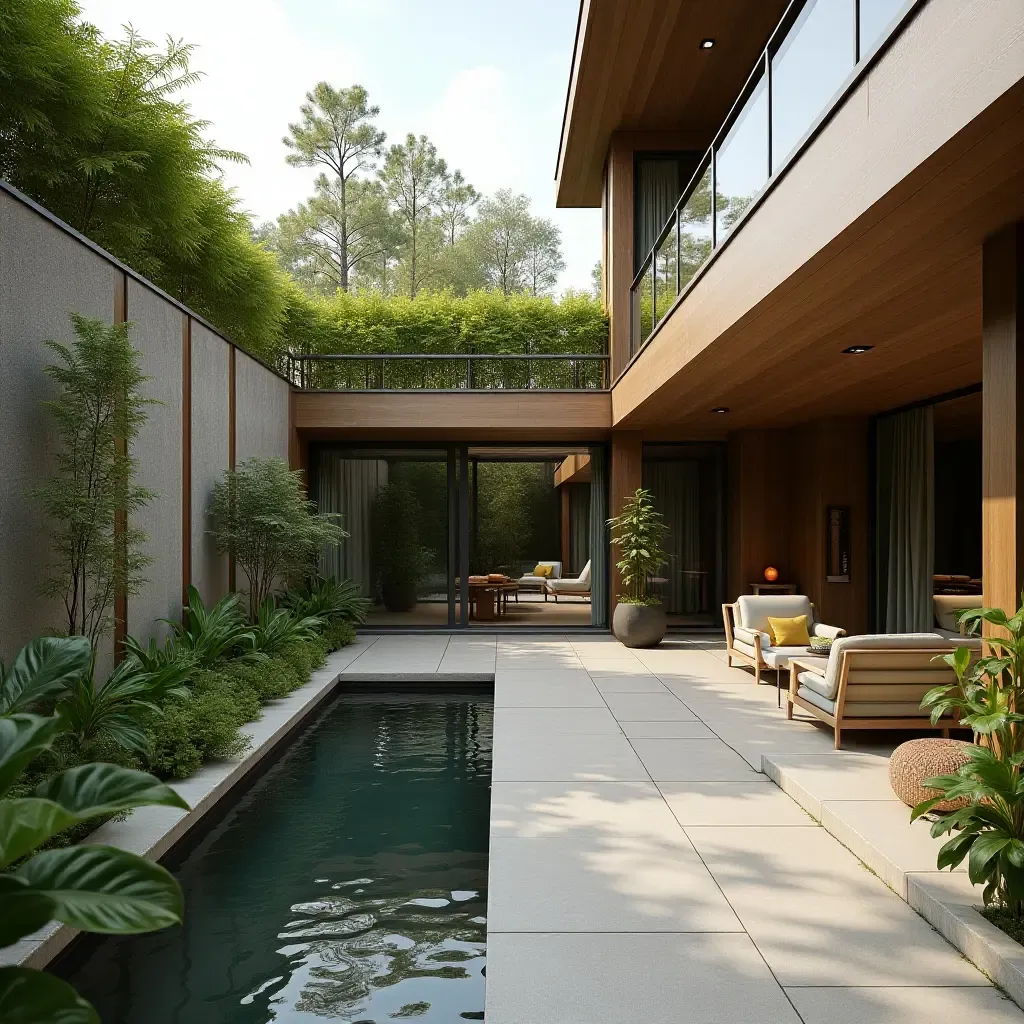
[
  {"x": 1002, "y": 468},
  {"x": 476, "y": 416},
  {"x": 873, "y": 236},
  {"x": 573, "y": 469},
  {"x": 639, "y": 66},
  {"x": 779, "y": 518}
]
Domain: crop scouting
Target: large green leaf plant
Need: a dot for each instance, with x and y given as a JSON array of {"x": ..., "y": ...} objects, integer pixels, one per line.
[
  {"x": 90, "y": 887},
  {"x": 988, "y": 698}
]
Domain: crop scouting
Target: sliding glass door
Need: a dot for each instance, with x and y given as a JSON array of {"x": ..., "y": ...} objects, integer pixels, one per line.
[{"x": 465, "y": 536}]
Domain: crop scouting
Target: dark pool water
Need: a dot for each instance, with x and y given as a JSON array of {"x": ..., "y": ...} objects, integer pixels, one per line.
[{"x": 349, "y": 884}]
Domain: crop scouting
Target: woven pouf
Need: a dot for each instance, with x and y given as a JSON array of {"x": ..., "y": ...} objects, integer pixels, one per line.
[{"x": 922, "y": 759}]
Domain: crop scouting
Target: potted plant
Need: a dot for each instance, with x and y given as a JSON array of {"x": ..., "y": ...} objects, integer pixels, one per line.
[
  {"x": 988, "y": 828},
  {"x": 638, "y": 532},
  {"x": 398, "y": 557}
]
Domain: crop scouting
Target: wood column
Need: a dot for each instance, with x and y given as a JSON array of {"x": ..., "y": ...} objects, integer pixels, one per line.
[
  {"x": 618, "y": 271},
  {"x": 626, "y": 476},
  {"x": 1002, "y": 445}
]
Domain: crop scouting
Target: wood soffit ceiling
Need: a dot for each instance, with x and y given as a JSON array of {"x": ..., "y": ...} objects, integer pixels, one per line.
[{"x": 639, "y": 67}]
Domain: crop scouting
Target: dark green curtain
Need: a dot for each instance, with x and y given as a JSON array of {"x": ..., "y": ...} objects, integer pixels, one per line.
[
  {"x": 657, "y": 189},
  {"x": 675, "y": 488},
  {"x": 348, "y": 487},
  {"x": 579, "y": 528},
  {"x": 906, "y": 521}
]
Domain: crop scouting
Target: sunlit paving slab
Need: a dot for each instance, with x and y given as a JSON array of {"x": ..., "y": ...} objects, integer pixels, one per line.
[
  {"x": 819, "y": 916},
  {"x": 546, "y": 810},
  {"x": 813, "y": 779},
  {"x": 536, "y": 756},
  {"x": 750, "y": 802},
  {"x": 604, "y": 884},
  {"x": 649, "y": 978},
  {"x": 697, "y": 760},
  {"x": 647, "y": 707},
  {"x": 624, "y": 682},
  {"x": 680, "y": 730},
  {"x": 556, "y": 722},
  {"x": 897, "y": 1005},
  {"x": 543, "y": 691}
]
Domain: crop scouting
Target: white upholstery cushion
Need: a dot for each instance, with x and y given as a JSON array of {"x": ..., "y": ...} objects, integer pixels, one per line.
[
  {"x": 877, "y": 642},
  {"x": 556, "y": 570},
  {"x": 971, "y": 642},
  {"x": 947, "y": 605},
  {"x": 584, "y": 577},
  {"x": 778, "y": 657},
  {"x": 748, "y": 636},
  {"x": 754, "y": 609}
]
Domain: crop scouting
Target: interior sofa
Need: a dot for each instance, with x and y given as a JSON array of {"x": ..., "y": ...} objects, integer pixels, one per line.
[
  {"x": 578, "y": 587},
  {"x": 748, "y": 639},
  {"x": 530, "y": 582},
  {"x": 874, "y": 681},
  {"x": 946, "y": 606}
]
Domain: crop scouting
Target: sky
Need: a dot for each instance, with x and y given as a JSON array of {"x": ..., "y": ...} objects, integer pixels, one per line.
[{"x": 485, "y": 80}]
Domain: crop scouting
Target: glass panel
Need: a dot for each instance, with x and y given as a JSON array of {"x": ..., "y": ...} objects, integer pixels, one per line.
[
  {"x": 394, "y": 506},
  {"x": 695, "y": 229},
  {"x": 741, "y": 163},
  {"x": 522, "y": 519},
  {"x": 875, "y": 18},
  {"x": 642, "y": 309},
  {"x": 657, "y": 190},
  {"x": 808, "y": 68},
  {"x": 664, "y": 276}
]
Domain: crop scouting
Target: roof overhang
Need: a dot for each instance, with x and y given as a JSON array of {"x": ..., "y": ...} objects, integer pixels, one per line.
[{"x": 638, "y": 66}]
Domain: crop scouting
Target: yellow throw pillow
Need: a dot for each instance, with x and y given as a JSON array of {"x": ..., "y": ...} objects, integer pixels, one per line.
[
  {"x": 543, "y": 570},
  {"x": 789, "y": 632}
]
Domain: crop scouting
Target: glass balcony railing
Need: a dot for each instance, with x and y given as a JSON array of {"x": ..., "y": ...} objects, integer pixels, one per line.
[{"x": 798, "y": 78}]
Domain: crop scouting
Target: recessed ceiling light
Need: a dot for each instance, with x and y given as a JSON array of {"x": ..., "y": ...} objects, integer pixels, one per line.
[
  {"x": 706, "y": 44},
  {"x": 857, "y": 350},
  {"x": 720, "y": 409}
]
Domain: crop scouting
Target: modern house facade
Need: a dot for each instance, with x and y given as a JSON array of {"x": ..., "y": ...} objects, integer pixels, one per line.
[
  {"x": 845, "y": 316},
  {"x": 815, "y": 372}
]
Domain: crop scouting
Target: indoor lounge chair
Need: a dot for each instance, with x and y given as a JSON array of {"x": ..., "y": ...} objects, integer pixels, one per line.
[
  {"x": 578, "y": 587},
  {"x": 531, "y": 581}
]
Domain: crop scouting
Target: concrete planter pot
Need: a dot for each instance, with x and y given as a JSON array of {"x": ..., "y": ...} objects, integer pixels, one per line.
[{"x": 637, "y": 625}]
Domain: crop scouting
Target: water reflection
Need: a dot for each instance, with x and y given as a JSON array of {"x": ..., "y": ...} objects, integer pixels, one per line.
[{"x": 349, "y": 885}]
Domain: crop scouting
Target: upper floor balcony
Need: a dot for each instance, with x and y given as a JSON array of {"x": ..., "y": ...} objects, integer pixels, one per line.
[{"x": 812, "y": 59}]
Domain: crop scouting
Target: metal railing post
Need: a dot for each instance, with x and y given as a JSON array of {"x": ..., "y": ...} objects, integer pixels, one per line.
[{"x": 469, "y": 373}]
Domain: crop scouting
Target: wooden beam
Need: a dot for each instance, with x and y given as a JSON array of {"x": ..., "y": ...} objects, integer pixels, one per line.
[
  {"x": 1002, "y": 526},
  {"x": 574, "y": 469}
]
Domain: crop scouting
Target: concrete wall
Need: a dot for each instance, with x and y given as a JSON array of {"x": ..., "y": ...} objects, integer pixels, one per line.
[
  {"x": 46, "y": 273},
  {"x": 157, "y": 334},
  {"x": 261, "y": 411},
  {"x": 211, "y": 453}
]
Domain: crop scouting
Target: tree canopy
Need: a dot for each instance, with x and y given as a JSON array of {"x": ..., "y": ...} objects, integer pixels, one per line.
[{"x": 97, "y": 131}]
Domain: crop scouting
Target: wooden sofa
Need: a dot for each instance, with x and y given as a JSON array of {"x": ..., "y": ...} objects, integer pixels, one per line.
[{"x": 874, "y": 682}]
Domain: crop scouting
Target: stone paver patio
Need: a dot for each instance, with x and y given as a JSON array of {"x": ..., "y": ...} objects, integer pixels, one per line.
[{"x": 644, "y": 869}]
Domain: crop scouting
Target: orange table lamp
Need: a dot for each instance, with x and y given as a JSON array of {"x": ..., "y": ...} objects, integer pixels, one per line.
[{"x": 771, "y": 574}]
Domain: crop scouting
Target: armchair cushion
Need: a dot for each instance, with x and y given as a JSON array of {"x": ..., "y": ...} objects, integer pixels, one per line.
[
  {"x": 748, "y": 636},
  {"x": 947, "y": 605},
  {"x": 778, "y": 657},
  {"x": 820, "y": 629},
  {"x": 829, "y": 687},
  {"x": 753, "y": 610}
]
